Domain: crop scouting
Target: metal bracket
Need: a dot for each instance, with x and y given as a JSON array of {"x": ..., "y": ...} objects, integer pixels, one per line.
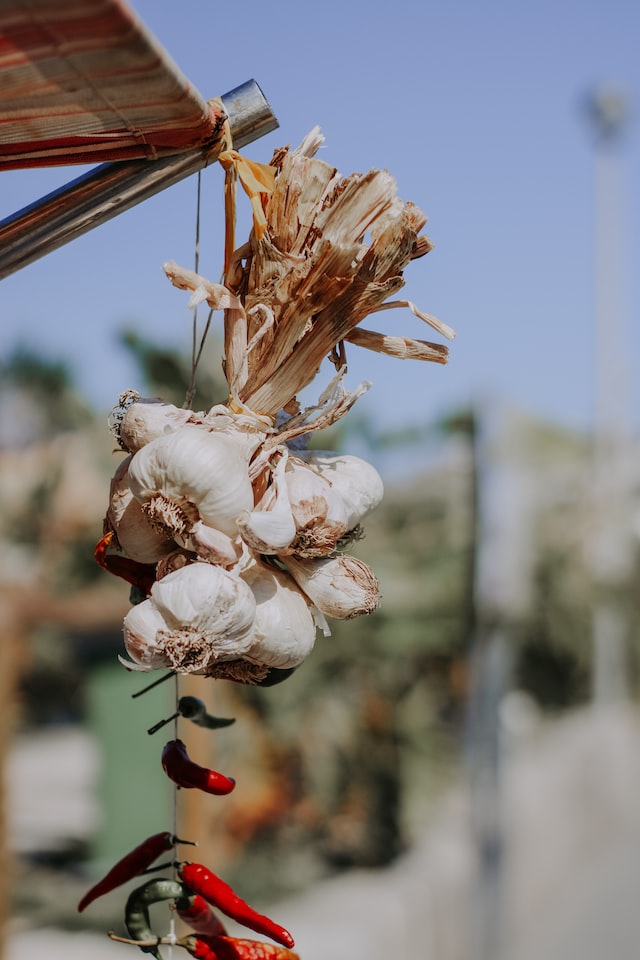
[{"x": 112, "y": 188}]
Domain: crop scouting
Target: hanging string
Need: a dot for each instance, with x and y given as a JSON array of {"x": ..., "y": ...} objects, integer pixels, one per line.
[
  {"x": 172, "y": 913},
  {"x": 257, "y": 180},
  {"x": 191, "y": 389},
  {"x": 196, "y": 352},
  {"x": 175, "y": 786}
]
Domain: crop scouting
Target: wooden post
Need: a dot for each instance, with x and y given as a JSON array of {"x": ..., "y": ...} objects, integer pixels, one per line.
[{"x": 13, "y": 630}]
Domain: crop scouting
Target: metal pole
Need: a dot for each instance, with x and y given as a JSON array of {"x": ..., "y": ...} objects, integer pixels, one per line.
[
  {"x": 112, "y": 188},
  {"x": 502, "y": 596},
  {"x": 610, "y": 549}
]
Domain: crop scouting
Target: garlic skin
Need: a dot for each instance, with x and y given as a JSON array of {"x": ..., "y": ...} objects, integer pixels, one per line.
[
  {"x": 193, "y": 474},
  {"x": 210, "y": 544},
  {"x": 173, "y": 561},
  {"x": 341, "y": 587},
  {"x": 246, "y": 427},
  {"x": 284, "y": 630},
  {"x": 356, "y": 481},
  {"x": 136, "y": 536},
  {"x": 195, "y": 617},
  {"x": 148, "y": 418}
]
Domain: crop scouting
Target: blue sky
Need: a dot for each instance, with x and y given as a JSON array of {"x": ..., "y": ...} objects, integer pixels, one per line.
[{"x": 476, "y": 108}]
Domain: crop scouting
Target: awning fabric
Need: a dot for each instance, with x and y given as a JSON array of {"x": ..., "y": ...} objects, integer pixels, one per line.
[{"x": 83, "y": 81}]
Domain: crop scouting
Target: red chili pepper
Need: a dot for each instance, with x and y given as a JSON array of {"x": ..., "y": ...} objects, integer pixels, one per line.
[
  {"x": 218, "y": 893},
  {"x": 178, "y": 766},
  {"x": 200, "y": 917},
  {"x": 131, "y": 865},
  {"x": 198, "y": 948},
  {"x": 232, "y": 948},
  {"x": 142, "y": 575}
]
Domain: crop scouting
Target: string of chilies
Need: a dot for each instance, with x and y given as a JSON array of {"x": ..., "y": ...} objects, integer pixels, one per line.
[{"x": 194, "y": 889}]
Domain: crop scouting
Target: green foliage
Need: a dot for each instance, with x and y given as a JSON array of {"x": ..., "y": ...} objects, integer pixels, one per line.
[{"x": 42, "y": 395}]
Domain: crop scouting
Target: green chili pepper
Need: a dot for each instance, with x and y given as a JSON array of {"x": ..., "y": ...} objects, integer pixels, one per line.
[{"x": 136, "y": 916}]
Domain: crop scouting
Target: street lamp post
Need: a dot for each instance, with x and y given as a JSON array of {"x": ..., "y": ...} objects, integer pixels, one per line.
[{"x": 609, "y": 547}]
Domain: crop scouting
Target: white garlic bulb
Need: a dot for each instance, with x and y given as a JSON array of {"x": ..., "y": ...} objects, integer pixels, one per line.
[
  {"x": 146, "y": 418},
  {"x": 195, "y": 617},
  {"x": 318, "y": 511},
  {"x": 144, "y": 628},
  {"x": 270, "y": 528},
  {"x": 358, "y": 482},
  {"x": 193, "y": 474},
  {"x": 284, "y": 629},
  {"x": 136, "y": 536},
  {"x": 342, "y": 587}
]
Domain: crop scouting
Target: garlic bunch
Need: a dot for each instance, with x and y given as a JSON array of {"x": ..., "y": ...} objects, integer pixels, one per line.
[
  {"x": 185, "y": 501},
  {"x": 247, "y": 529}
]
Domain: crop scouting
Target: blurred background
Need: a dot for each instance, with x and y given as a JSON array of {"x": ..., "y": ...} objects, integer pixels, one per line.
[{"x": 457, "y": 776}]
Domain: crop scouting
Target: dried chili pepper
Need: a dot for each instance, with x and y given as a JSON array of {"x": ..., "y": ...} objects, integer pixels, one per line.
[
  {"x": 179, "y": 767},
  {"x": 195, "y": 911},
  {"x": 232, "y": 948},
  {"x": 142, "y": 575},
  {"x": 131, "y": 865},
  {"x": 198, "y": 948},
  {"x": 136, "y": 916},
  {"x": 218, "y": 893}
]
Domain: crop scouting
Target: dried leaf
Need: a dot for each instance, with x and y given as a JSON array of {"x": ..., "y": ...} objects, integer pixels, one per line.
[{"x": 403, "y": 348}]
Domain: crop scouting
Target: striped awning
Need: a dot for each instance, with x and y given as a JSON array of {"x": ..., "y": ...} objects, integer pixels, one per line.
[{"x": 83, "y": 81}]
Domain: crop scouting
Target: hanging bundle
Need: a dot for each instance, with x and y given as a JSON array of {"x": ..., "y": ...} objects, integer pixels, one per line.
[
  {"x": 233, "y": 535},
  {"x": 246, "y": 528}
]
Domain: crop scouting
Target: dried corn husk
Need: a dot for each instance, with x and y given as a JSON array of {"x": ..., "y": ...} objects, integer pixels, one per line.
[{"x": 305, "y": 284}]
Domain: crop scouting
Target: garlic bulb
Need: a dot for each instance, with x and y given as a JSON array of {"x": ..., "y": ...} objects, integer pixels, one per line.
[
  {"x": 284, "y": 630},
  {"x": 138, "y": 420},
  {"x": 270, "y": 528},
  {"x": 136, "y": 536},
  {"x": 210, "y": 544},
  {"x": 342, "y": 587},
  {"x": 192, "y": 474},
  {"x": 196, "y": 616},
  {"x": 318, "y": 511},
  {"x": 358, "y": 483},
  {"x": 144, "y": 628}
]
